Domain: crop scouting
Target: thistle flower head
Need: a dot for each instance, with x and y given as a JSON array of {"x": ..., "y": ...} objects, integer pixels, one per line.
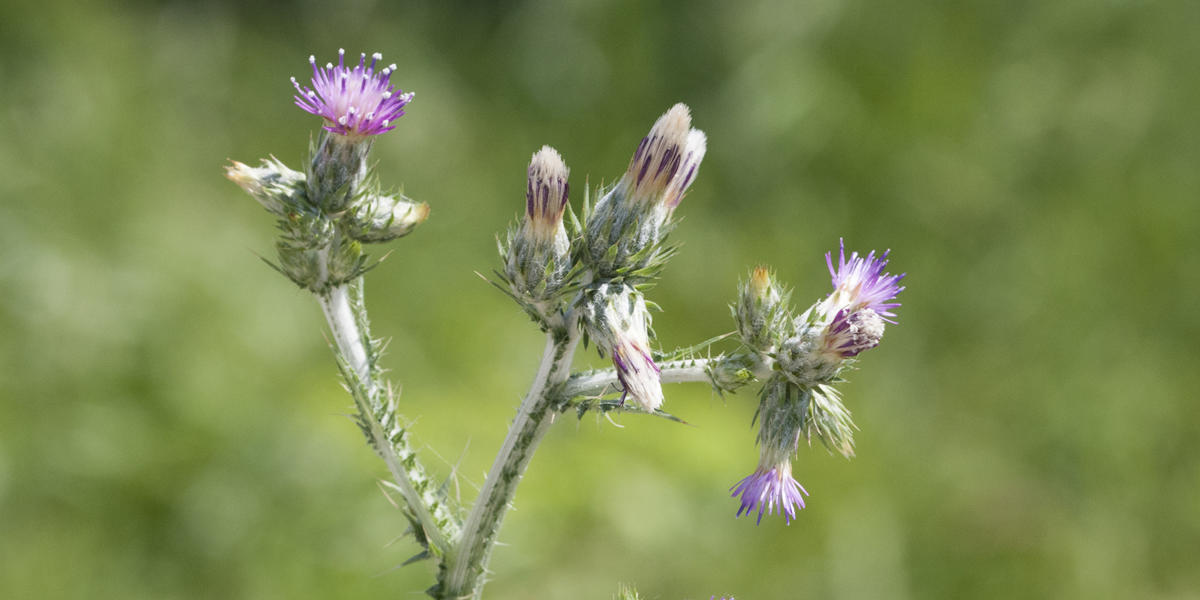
[
  {"x": 859, "y": 282},
  {"x": 666, "y": 160},
  {"x": 772, "y": 490},
  {"x": 358, "y": 101},
  {"x": 546, "y": 192}
]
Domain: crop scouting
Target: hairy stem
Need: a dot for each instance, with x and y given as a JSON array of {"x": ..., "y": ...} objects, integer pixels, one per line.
[
  {"x": 465, "y": 568},
  {"x": 380, "y": 422},
  {"x": 347, "y": 335},
  {"x": 724, "y": 373}
]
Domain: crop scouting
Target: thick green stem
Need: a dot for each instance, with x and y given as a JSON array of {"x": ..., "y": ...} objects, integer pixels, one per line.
[{"x": 465, "y": 567}]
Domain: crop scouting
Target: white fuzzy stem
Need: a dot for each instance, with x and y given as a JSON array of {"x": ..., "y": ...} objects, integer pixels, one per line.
[
  {"x": 679, "y": 371},
  {"x": 335, "y": 303},
  {"x": 466, "y": 566},
  {"x": 353, "y": 345}
]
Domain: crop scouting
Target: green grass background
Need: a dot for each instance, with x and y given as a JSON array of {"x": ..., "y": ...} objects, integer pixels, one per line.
[{"x": 171, "y": 426}]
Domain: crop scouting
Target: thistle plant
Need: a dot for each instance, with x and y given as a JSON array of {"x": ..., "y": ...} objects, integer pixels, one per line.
[{"x": 579, "y": 277}]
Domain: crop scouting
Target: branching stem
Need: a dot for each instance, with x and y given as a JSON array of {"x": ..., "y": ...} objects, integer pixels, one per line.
[
  {"x": 466, "y": 566},
  {"x": 724, "y": 372}
]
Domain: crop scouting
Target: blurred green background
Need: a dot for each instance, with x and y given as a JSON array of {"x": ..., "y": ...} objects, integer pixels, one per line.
[{"x": 171, "y": 425}]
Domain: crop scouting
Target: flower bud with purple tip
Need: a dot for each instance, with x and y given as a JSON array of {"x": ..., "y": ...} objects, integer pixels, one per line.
[
  {"x": 617, "y": 321},
  {"x": 537, "y": 253},
  {"x": 626, "y": 228},
  {"x": 665, "y": 162},
  {"x": 546, "y": 191}
]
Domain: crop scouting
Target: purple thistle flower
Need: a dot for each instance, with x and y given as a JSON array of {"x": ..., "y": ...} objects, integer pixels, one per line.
[
  {"x": 770, "y": 489},
  {"x": 859, "y": 283},
  {"x": 353, "y": 102}
]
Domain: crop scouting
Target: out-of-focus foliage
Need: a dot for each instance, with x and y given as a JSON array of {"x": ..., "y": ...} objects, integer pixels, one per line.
[{"x": 171, "y": 425}]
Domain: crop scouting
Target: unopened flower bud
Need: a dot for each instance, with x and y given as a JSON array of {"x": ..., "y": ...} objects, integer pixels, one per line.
[
  {"x": 761, "y": 312},
  {"x": 277, "y": 188},
  {"x": 633, "y": 217},
  {"x": 546, "y": 191},
  {"x": 537, "y": 255},
  {"x": 762, "y": 287},
  {"x": 617, "y": 321},
  {"x": 381, "y": 218},
  {"x": 666, "y": 160}
]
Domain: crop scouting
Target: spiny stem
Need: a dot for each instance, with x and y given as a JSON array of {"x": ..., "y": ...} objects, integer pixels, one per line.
[
  {"x": 463, "y": 577},
  {"x": 723, "y": 373},
  {"x": 346, "y": 314}
]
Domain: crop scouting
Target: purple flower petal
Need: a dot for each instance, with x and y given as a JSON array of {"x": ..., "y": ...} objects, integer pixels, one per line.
[
  {"x": 862, "y": 283},
  {"x": 353, "y": 101},
  {"x": 771, "y": 490}
]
